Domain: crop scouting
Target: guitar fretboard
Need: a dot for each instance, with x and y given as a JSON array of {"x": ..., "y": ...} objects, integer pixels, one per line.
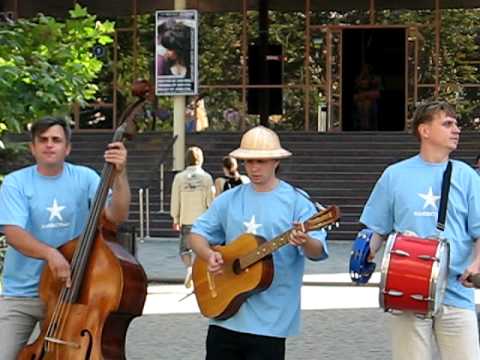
[
  {"x": 318, "y": 221},
  {"x": 264, "y": 250}
]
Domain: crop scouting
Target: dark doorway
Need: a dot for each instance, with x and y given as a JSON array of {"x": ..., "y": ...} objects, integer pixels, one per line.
[{"x": 373, "y": 79}]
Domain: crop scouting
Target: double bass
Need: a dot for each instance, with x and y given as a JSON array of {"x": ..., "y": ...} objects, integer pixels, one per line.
[{"x": 89, "y": 320}]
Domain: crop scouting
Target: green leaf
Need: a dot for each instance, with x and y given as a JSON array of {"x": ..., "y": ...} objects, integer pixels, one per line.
[{"x": 78, "y": 12}]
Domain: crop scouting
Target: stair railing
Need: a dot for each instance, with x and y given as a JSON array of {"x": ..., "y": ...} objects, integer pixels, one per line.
[
  {"x": 144, "y": 192},
  {"x": 3, "y": 250}
]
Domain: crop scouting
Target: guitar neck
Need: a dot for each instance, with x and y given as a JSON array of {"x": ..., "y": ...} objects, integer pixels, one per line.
[
  {"x": 318, "y": 221},
  {"x": 264, "y": 250}
]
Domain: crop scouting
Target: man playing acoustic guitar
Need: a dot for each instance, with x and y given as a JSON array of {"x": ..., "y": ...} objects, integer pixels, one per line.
[
  {"x": 267, "y": 207},
  {"x": 407, "y": 197}
]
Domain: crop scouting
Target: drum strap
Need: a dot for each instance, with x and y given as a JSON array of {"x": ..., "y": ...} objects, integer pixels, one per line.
[{"x": 442, "y": 211}]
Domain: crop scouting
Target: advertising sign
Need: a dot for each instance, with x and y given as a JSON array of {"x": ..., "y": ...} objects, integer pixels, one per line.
[{"x": 176, "y": 52}]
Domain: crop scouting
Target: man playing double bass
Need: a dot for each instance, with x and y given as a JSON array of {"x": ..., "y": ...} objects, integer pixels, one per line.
[
  {"x": 407, "y": 198},
  {"x": 42, "y": 207},
  {"x": 267, "y": 207}
]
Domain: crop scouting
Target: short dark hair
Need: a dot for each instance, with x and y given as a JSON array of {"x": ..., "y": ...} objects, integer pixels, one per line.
[
  {"x": 46, "y": 123},
  {"x": 425, "y": 112},
  {"x": 176, "y": 36}
]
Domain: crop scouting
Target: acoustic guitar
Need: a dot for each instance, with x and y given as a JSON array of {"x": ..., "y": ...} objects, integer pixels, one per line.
[{"x": 247, "y": 268}]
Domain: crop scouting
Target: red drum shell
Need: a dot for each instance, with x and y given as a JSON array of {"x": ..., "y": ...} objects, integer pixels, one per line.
[{"x": 414, "y": 274}]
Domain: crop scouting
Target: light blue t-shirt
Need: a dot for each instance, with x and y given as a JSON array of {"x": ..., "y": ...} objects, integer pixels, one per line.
[
  {"x": 275, "y": 311},
  {"x": 54, "y": 209},
  {"x": 407, "y": 197}
]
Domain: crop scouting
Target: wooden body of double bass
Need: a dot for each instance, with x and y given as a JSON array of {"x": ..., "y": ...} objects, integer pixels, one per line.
[{"x": 113, "y": 292}]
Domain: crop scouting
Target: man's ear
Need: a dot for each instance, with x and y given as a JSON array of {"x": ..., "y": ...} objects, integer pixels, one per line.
[
  {"x": 31, "y": 147},
  {"x": 424, "y": 130}
]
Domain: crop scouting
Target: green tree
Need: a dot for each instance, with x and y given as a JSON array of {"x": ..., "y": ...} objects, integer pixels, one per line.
[{"x": 47, "y": 65}]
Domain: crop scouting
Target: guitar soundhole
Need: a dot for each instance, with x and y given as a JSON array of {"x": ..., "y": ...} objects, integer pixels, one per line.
[{"x": 236, "y": 267}]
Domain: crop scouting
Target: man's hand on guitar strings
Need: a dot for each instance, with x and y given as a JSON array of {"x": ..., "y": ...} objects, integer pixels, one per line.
[
  {"x": 215, "y": 263},
  {"x": 297, "y": 236}
]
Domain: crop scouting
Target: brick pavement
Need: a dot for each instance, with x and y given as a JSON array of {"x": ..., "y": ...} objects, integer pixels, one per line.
[
  {"x": 326, "y": 335},
  {"x": 343, "y": 333},
  {"x": 340, "y": 334}
]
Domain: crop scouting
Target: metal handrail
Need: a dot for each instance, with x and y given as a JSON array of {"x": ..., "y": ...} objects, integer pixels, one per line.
[
  {"x": 144, "y": 193},
  {"x": 140, "y": 212},
  {"x": 3, "y": 249}
]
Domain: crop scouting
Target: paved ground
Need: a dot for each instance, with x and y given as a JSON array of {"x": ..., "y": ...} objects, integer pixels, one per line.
[
  {"x": 326, "y": 335},
  {"x": 339, "y": 322}
]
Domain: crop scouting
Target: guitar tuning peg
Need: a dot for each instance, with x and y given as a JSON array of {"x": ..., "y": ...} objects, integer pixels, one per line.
[
  {"x": 329, "y": 227},
  {"x": 337, "y": 224}
]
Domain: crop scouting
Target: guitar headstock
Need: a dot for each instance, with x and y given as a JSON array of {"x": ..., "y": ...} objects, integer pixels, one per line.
[{"x": 323, "y": 218}]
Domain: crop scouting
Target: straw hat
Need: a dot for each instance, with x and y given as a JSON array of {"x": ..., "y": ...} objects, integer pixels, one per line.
[{"x": 260, "y": 143}]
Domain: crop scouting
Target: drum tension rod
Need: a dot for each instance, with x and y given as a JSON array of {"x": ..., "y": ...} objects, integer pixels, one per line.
[
  {"x": 393, "y": 292},
  {"x": 394, "y": 312},
  {"x": 428, "y": 257},
  {"x": 399, "y": 252},
  {"x": 419, "y": 297}
]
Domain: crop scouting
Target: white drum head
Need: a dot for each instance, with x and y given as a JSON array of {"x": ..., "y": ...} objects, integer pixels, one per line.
[
  {"x": 384, "y": 268},
  {"x": 438, "y": 282}
]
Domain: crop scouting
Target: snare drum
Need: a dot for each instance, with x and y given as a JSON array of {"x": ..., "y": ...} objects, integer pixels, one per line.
[{"x": 414, "y": 274}]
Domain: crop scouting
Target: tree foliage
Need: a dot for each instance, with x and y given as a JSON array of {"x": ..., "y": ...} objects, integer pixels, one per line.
[{"x": 47, "y": 65}]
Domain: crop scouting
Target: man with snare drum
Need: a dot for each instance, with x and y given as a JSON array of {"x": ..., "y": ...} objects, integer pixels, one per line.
[{"x": 406, "y": 199}]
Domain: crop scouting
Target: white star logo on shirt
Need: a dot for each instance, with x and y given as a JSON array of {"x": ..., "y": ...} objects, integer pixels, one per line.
[
  {"x": 55, "y": 211},
  {"x": 252, "y": 226},
  {"x": 429, "y": 198}
]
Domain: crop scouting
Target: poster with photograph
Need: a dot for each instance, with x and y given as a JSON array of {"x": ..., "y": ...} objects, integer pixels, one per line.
[{"x": 176, "y": 52}]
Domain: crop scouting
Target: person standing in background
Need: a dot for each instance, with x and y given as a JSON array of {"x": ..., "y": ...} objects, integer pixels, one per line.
[
  {"x": 231, "y": 178},
  {"x": 192, "y": 194}
]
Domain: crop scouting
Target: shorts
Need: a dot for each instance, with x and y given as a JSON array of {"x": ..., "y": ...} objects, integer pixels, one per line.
[{"x": 184, "y": 247}]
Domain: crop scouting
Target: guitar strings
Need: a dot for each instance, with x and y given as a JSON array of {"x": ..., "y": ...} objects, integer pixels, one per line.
[
  {"x": 80, "y": 258},
  {"x": 324, "y": 218}
]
